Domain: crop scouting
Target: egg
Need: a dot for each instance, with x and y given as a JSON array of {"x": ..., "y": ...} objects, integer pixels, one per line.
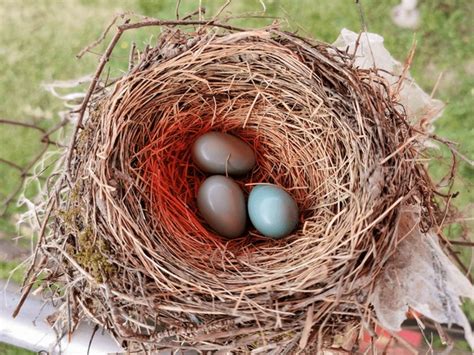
[
  {"x": 272, "y": 211},
  {"x": 218, "y": 153},
  {"x": 221, "y": 203}
]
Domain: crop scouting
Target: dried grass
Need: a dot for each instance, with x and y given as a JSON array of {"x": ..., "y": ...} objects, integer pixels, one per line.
[{"x": 123, "y": 244}]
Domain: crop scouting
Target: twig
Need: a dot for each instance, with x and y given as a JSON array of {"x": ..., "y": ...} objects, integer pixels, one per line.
[
  {"x": 222, "y": 8},
  {"x": 451, "y": 146},
  {"x": 148, "y": 23},
  {"x": 201, "y": 10},
  {"x": 103, "y": 60},
  {"x": 460, "y": 242},
  {"x": 101, "y": 37},
  {"x": 24, "y": 171},
  {"x": 23, "y": 124},
  {"x": 11, "y": 164},
  {"x": 33, "y": 266},
  {"x": 131, "y": 57},
  {"x": 178, "y": 3}
]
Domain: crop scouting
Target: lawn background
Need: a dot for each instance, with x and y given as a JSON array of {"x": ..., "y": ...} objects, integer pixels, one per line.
[{"x": 40, "y": 38}]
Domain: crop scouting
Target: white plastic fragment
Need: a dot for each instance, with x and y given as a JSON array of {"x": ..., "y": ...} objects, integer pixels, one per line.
[
  {"x": 419, "y": 275},
  {"x": 371, "y": 53}
]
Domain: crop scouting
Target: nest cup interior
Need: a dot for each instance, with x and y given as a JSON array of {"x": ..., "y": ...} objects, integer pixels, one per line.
[
  {"x": 320, "y": 129},
  {"x": 304, "y": 132}
]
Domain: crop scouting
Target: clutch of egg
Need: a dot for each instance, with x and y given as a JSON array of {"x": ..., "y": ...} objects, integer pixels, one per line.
[{"x": 221, "y": 202}]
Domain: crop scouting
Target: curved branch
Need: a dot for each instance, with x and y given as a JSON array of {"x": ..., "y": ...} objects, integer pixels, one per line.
[{"x": 22, "y": 124}]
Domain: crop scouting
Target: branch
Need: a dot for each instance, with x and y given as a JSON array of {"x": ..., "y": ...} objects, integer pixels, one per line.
[{"x": 22, "y": 124}]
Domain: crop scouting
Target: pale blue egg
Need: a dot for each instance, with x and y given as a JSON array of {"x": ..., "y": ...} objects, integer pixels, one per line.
[{"x": 273, "y": 212}]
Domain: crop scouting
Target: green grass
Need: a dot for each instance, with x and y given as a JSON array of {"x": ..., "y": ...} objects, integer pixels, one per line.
[
  {"x": 6, "y": 349},
  {"x": 11, "y": 270},
  {"x": 40, "y": 38}
]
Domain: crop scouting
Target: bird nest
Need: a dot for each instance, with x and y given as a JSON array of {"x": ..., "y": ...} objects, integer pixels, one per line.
[{"x": 122, "y": 241}]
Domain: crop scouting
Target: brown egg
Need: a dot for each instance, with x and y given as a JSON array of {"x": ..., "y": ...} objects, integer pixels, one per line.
[
  {"x": 213, "y": 152},
  {"x": 221, "y": 203}
]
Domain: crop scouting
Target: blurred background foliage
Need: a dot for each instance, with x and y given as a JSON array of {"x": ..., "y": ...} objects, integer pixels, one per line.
[{"x": 40, "y": 38}]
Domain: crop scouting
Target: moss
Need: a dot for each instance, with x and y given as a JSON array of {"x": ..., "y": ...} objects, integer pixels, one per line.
[
  {"x": 83, "y": 138},
  {"x": 91, "y": 256},
  {"x": 88, "y": 251},
  {"x": 69, "y": 216},
  {"x": 72, "y": 218},
  {"x": 75, "y": 192}
]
